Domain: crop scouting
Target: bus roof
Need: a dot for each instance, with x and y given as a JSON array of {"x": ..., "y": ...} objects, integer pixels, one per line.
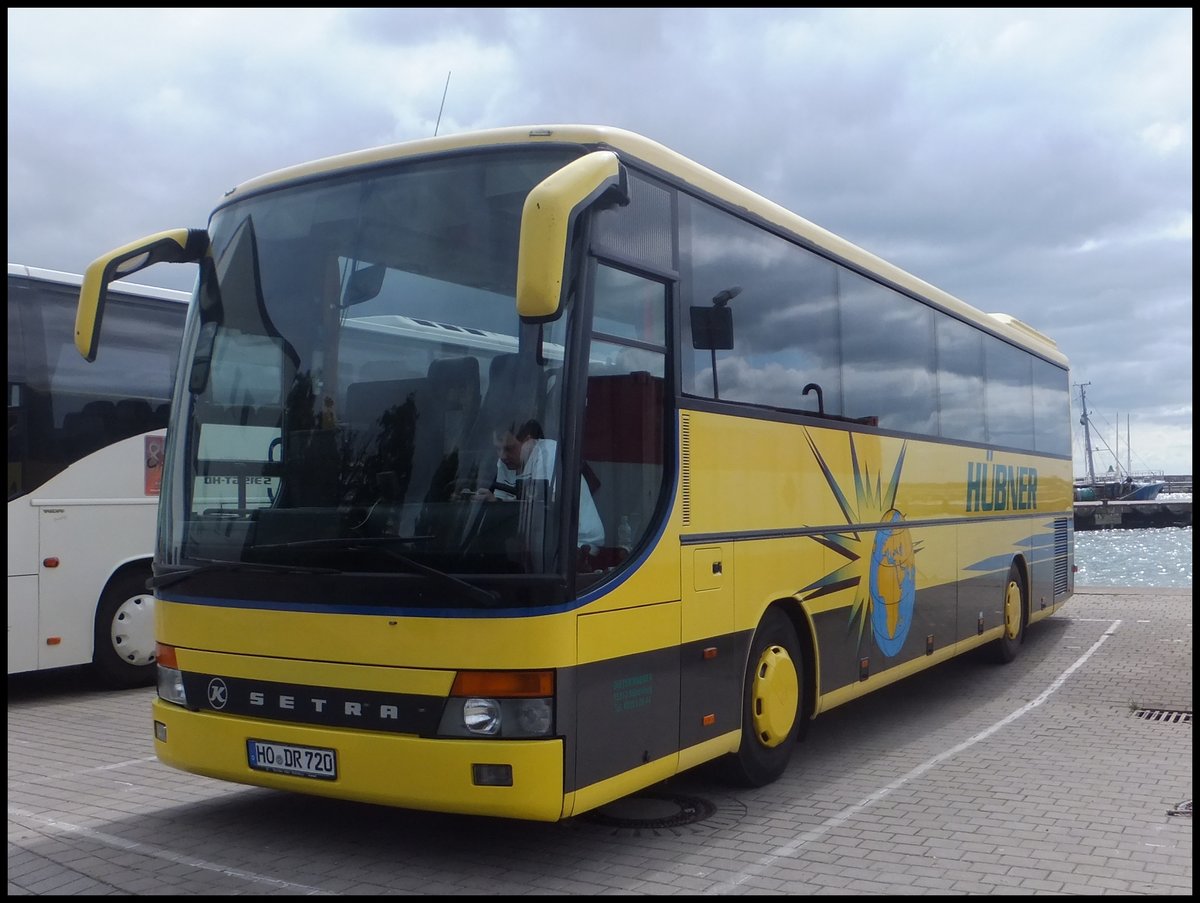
[
  {"x": 74, "y": 279},
  {"x": 631, "y": 146}
]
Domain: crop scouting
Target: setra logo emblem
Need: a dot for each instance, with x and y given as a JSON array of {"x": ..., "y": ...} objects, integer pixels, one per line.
[{"x": 218, "y": 693}]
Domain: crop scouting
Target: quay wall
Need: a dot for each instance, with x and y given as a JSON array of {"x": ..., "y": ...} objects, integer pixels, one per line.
[{"x": 1132, "y": 515}]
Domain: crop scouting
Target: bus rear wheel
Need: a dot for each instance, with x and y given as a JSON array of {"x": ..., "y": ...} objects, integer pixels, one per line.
[
  {"x": 123, "y": 652},
  {"x": 771, "y": 697},
  {"x": 1006, "y": 648}
]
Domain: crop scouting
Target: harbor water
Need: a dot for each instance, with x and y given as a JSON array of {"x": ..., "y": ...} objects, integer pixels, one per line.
[{"x": 1157, "y": 556}]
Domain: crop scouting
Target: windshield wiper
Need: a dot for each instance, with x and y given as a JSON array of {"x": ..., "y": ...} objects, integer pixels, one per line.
[
  {"x": 175, "y": 576},
  {"x": 344, "y": 542},
  {"x": 486, "y": 597}
]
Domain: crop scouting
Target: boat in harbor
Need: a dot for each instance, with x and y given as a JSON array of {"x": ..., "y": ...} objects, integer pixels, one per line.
[
  {"x": 1117, "y": 484},
  {"x": 1125, "y": 489}
]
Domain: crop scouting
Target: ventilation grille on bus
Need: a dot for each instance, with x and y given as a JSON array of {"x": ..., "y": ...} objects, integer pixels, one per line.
[
  {"x": 1060, "y": 557},
  {"x": 685, "y": 468}
]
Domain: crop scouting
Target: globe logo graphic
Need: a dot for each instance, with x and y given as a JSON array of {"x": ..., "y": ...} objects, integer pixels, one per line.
[{"x": 893, "y": 584}]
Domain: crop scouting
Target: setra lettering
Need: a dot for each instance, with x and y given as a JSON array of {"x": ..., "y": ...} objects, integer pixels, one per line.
[{"x": 321, "y": 705}]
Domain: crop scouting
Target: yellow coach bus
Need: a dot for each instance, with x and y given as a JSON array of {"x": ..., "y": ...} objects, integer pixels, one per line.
[{"x": 509, "y": 473}]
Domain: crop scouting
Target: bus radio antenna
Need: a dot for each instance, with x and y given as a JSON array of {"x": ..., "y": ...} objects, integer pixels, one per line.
[{"x": 443, "y": 106}]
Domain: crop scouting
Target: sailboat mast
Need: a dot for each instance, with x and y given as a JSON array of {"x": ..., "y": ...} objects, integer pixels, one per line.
[
  {"x": 1087, "y": 433},
  {"x": 1128, "y": 459}
]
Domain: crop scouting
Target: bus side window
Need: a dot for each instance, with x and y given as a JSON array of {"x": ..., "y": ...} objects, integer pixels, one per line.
[{"x": 623, "y": 451}]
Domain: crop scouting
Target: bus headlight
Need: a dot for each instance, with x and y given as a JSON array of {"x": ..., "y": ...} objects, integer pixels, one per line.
[
  {"x": 533, "y": 717},
  {"x": 170, "y": 678},
  {"x": 481, "y": 716},
  {"x": 506, "y": 718},
  {"x": 504, "y": 704},
  {"x": 170, "y": 685}
]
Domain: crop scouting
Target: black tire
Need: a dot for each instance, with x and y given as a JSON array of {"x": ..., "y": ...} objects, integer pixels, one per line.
[
  {"x": 1016, "y": 616},
  {"x": 771, "y": 702},
  {"x": 123, "y": 654}
]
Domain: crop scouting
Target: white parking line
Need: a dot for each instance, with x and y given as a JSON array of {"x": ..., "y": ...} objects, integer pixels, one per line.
[
  {"x": 789, "y": 849},
  {"x": 58, "y": 776},
  {"x": 120, "y": 843}
]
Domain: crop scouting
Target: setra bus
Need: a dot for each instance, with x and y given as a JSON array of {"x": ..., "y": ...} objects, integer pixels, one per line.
[
  {"x": 85, "y": 451},
  {"x": 815, "y": 474}
]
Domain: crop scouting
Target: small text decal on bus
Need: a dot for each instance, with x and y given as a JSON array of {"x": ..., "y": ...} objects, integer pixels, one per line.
[
  {"x": 633, "y": 692},
  {"x": 1000, "y": 487}
]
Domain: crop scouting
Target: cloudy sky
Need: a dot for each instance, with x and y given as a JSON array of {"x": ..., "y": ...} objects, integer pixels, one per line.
[{"x": 1034, "y": 162}]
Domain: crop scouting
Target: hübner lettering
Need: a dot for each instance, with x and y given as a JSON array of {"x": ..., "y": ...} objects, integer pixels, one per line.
[
  {"x": 1001, "y": 487},
  {"x": 352, "y": 709}
]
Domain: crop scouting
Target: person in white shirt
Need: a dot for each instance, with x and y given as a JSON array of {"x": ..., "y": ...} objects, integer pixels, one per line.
[{"x": 525, "y": 454}]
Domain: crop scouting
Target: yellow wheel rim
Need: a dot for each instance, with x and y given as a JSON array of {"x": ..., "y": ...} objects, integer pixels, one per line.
[
  {"x": 775, "y": 696},
  {"x": 1012, "y": 610}
]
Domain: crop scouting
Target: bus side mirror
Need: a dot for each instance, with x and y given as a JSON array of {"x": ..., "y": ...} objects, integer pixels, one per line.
[
  {"x": 175, "y": 246},
  {"x": 712, "y": 328},
  {"x": 364, "y": 284},
  {"x": 548, "y": 223}
]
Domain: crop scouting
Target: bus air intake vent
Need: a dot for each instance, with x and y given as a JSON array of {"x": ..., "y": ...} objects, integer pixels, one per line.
[
  {"x": 1060, "y": 557},
  {"x": 685, "y": 468}
]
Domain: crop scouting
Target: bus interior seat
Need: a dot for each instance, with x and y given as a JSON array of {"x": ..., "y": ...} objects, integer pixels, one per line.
[
  {"x": 513, "y": 391},
  {"x": 446, "y": 405},
  {"x": 101, "y": 422},
  {"x": 373, "y": 417},
  {"x": 133, "y": 416},
  {"x": 453, "y": 384},
  {"x": 372, "y": 412},
  {"x": 104, "y": 409},
  {"x": 367, "y": 402},
  {"x": 83, "y": 432},
  {"x": 514, "y": 394}
]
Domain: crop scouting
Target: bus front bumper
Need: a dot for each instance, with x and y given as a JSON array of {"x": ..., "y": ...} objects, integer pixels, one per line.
[{"x": 371, "y": 767}]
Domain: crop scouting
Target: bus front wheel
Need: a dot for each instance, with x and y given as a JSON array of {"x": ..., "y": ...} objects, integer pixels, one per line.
[
  {"x": 771, "y": 697},
  {"x": 1006, "y": 648},
  {"x": 123, "y": 652}
]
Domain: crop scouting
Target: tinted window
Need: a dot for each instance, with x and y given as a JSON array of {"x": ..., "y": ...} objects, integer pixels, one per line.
[
  {"x": 61, "y": 407},
  {"x": 784, "y": 311},
  {"x": 1051, "y": 409},
  {"x": 960, "y": 380},
  {"x": 887, "y": 356},
  {"x": 878, "y": 356},
  {"x": 1009, "y": 394}
]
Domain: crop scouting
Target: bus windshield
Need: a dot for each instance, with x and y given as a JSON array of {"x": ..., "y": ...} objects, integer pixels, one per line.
[{"x": 358, "y": 394}]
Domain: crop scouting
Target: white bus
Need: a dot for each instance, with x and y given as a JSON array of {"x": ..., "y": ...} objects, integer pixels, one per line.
[{"x": 85, "y": 452}]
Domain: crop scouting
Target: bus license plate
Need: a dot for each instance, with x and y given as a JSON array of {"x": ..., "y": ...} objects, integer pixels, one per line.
[{"x": 284, "y": 758}]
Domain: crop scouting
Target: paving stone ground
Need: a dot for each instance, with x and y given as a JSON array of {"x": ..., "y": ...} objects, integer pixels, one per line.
[{"x": 1035, "y": 777}]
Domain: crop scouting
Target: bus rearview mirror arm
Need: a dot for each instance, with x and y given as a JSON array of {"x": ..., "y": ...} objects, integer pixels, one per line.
[
  {"x": 549, "y": 222},
  {"x": 174, "y": 246}
]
